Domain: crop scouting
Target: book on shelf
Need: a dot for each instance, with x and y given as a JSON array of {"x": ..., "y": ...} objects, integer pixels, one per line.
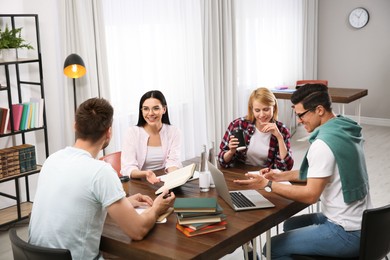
[
  {"x": 195, "y": 214},
  {"x": 37, "y": 111},
  {"x": 17, "y": 110},
  {"x": 30, "y": 115},
  {"x": 9, "y": 162},
  {"x": 27, "y": 157},
  {"x": 23, "y": 120},
  {"x": 195, "y": 204},
  {"x": 201, "y": 219},
  {"x": 205, "y": 230},
  {"x": 177, "y": 178},
  {"x": 4, "y": 117}
]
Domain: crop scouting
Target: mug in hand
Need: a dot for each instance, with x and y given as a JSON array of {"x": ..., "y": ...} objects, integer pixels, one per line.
[{"x": 239, "y": 134}]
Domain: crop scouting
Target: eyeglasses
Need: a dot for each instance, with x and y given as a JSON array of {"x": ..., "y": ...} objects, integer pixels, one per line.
[
  {"x": 301, "y": 115},
  {"x": 155, "y": 109}
]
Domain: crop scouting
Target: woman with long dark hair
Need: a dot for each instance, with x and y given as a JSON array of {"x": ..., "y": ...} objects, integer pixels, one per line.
[{"x": 152, "y": 144}]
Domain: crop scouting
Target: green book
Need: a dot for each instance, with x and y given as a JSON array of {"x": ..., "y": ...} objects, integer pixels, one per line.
[
  {"x": 195, "y": 214},
  {"x": 23, "y": 121},
  {"x": 195, "y": 205}
]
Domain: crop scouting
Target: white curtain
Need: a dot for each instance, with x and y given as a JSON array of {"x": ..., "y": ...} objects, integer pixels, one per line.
[
  {"x": 310, "y": 39},
  {"x": 253, "y": 43},
  {"x": 275, "y": 46},
  {"x": 83, "y": 35},
  {"x": 219, "y": 57},
  {"x": 157, "y": 45}
]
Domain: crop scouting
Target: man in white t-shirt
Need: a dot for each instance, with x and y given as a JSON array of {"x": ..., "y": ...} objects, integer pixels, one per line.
[
  {"x": 335, "y": 172},
  {"x": 75, "y": 191}
]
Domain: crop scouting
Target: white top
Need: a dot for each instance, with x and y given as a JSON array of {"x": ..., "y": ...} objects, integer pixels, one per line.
[
  {"x": 154, "y": 158},
  {"x": 135, "y": 143},
  {"x": 349, "y": 216},
  {"x": 258, "y": 148},
  {"x": 70, "y": 205}
]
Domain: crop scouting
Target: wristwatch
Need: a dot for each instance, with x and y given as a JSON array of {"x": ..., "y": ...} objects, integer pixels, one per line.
[{"x": 268, "y": 187}]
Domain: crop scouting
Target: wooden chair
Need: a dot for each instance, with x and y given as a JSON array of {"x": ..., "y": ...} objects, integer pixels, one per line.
[
  {"x": 115, "y": 160},
  {"x": 374, "y": 238},
  {"x": 23, "y": 250}
]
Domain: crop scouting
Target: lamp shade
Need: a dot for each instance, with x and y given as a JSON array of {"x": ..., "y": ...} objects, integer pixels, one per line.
[{"x": 74, "y": 66}]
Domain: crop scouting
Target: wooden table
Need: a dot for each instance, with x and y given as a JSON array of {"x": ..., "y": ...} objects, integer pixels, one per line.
[
  {"x": 165, "y": 242},
  {"x": 338, "y": 95}
]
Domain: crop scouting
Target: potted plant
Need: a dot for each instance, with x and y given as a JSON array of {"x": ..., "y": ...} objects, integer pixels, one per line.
[{"x": 10, "y": 41}]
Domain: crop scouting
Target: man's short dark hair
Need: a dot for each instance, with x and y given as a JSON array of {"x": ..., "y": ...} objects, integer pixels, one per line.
[
  {"x": 93, "y": 119},
  {"x": 312, "y": 95}
]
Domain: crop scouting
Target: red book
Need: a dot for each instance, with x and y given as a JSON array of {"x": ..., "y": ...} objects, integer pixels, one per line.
[
  {"x": 4, "y": 115},
  {"x": 208, "y": 229},
  {"x": 17, "y": 110}
]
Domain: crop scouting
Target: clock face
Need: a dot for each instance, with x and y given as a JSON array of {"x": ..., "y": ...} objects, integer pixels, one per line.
[{"x": 359, "y": 17}]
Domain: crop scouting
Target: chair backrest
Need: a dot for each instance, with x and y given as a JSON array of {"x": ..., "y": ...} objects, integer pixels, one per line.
[
  {"x": 115, "y": 160},
  {"x": 375, "y": 234},
  {"x": 311, "y": 81},
  {"x": 24, "y": 251}
]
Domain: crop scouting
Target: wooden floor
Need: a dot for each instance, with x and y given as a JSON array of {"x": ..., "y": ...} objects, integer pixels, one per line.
[
  {"x": 377, "y": 146},
  {"x": 10, "y": 214}
]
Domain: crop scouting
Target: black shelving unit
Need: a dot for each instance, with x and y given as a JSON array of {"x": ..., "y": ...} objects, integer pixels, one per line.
[{"x": 22, "y": 209}]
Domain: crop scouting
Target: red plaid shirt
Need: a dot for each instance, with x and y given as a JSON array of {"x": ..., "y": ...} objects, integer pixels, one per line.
[{"x": 274, "y": 161}]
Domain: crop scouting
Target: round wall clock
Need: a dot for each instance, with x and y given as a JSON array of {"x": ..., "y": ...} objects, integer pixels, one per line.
[{"x": 358, "y": 18}]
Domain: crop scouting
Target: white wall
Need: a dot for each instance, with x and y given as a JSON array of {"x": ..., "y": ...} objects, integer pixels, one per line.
[{"x": 353, "y": 58}]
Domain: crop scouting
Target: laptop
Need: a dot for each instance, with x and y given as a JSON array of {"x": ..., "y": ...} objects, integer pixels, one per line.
[{"x": 240, "y": 199}]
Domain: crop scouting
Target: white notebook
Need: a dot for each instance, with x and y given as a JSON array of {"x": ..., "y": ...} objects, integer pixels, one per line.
[{"x": 177, "y": 178}]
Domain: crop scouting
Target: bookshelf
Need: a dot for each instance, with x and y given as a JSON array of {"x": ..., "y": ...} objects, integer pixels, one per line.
[{"x": 14, "y": 89}]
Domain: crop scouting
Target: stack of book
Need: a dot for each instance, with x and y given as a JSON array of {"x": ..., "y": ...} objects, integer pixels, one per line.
[
  {"x": 17, "y": 159},
  {"x": 27, "y": 157},
  {"x": 9, "y": 162},
  {"x": 197, "y": 216}
]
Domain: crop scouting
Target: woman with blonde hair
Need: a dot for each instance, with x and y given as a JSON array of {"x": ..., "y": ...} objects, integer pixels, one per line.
[{"x": 267, "y": 140}]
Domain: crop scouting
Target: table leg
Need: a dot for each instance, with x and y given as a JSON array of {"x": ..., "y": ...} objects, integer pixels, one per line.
[
  {"x": 268, "y": 238},
  {"x": 358, "y": 110}
]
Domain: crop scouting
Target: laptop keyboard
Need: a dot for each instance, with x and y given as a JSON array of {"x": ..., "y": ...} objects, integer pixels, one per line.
[{"x": 240, "y": 200}]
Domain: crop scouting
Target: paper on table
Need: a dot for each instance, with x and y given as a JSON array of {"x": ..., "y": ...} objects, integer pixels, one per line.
[
  {"x": 161, "y": 219},
  {"x": 275, "y": 170}
]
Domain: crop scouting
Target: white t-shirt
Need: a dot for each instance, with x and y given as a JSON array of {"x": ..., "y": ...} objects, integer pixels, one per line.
[
  {"x": 349, "y": 216},
  {"x": 154, "y": 158},
  {"x": 258, "y": 148},
  {"x": 70, "y": 205}
]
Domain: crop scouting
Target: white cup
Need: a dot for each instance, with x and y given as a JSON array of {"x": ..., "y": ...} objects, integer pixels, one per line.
[{"x": 204, "y": 181}]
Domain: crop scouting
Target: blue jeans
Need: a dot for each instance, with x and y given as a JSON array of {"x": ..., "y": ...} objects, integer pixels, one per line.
[{"x": 314, "y": 234}]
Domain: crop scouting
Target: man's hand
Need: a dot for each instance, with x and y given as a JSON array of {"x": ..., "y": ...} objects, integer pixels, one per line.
[
  {"x": 138, "y": 200},
  {"x": 253, "y": 181},
  {"x": 272, "y": 174},
  {"x": 164, "y": 201}
]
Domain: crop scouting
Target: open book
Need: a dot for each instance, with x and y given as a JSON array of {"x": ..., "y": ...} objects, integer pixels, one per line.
[{"x": 177, "y": 178}]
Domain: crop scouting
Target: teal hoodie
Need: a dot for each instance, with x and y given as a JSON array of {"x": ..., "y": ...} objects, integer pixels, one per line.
[{"x": 344, "y": 138}]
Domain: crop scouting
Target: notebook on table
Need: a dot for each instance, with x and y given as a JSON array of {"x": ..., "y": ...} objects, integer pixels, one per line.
[
  {"x": 239, "y": 199},
  {"x": 177, "y": 178}
]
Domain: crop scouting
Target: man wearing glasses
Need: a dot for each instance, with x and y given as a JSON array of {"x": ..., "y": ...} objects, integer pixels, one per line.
[{"x": 334, "y": 169}]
